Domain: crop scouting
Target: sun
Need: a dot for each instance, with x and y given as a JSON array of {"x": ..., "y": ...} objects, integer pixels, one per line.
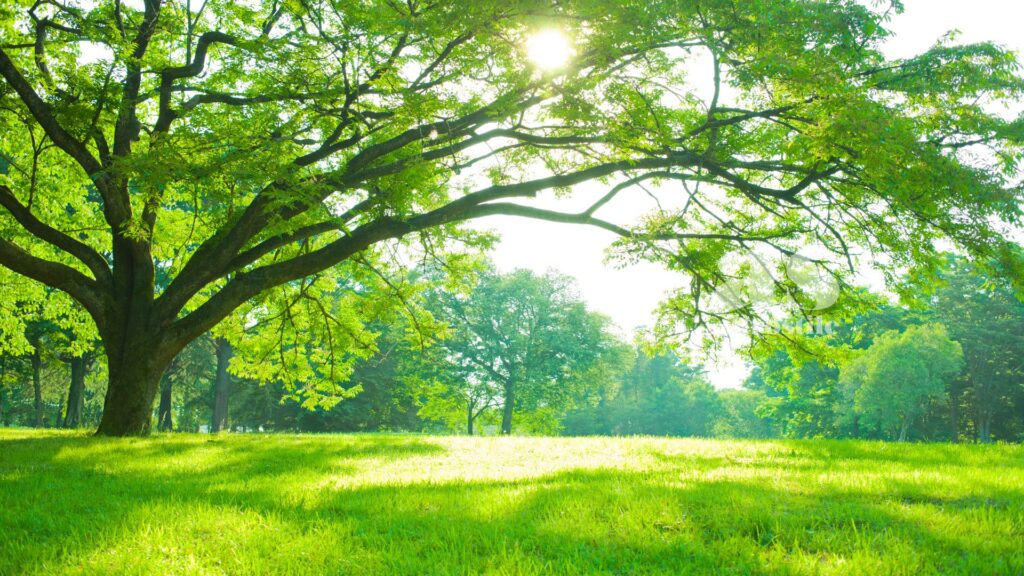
[{"x": 549, "y": 50}]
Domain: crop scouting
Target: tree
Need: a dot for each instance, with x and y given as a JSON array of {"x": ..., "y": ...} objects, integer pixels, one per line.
[
  {"x": 983, "y": 314},
  {"x": 799, "y": 371},
  {"x": 657, "y": 395},
  {"x": 893, "y": 380},
  {"x": 75, "y": 407},
  {"x": 240, "y": 147},
  {"x": 740, "y": 417},
  {"x": 528, "y": 340},
  {"x": 221, "y": 386}
]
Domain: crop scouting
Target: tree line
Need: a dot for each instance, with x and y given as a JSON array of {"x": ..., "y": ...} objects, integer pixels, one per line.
[{"x": 520, "y": 353}]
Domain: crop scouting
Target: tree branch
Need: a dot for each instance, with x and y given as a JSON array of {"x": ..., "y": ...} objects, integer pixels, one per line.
[
  {"x": 193, "y": 68},
  {"x": 41, "y": 112},
  {"x": 92, "y": 259},
  {"x": 56, "y": 275}
]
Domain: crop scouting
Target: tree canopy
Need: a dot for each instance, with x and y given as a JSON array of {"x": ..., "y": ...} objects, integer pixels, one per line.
[
  {"x": 169, "y": 163},
  {"x": 523, "y": 341}
]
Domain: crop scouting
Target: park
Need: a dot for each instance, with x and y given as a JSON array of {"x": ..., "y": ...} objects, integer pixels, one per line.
[{"x": 530, "y": 287}]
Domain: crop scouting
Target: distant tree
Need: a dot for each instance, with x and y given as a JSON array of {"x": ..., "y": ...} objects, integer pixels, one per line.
[
  {"x": 740, "y": 416},
  {"x": 984, "y": 315},
  {"x": 526, "y": 338},
  {"x": 893, "y": 381},
  {"x": 221, "y": 385},
  {"x": 803, "y": 395},
  {"x": 658, "y": 395}
]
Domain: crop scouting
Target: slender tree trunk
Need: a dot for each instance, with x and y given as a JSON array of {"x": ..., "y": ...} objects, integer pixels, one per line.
[
  {"x": 985, "y": 428},
  {"x": 164, "y": 422},
  {"x": 76, "y": 393},
  {"x": 954, "y": 417},
  {"x": 469, "y": 418},
  {"x": 221, "y": 386},
  {"x": 37, "y": 385},
  {"x": 904, "y": 430},
  {"x": 506, "y": 414}
]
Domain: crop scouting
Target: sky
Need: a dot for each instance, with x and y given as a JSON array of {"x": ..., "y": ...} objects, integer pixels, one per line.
[{"x": 630, "y": 295}]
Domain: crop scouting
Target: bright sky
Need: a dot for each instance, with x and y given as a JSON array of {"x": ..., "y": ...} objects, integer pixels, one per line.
[{"x": 630, "y": 295}]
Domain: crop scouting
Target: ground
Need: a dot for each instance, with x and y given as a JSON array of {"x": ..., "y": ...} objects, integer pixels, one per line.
[{"x": 384, "y": 504}]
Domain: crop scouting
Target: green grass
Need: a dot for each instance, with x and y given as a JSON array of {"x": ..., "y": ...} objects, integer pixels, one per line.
[{"x": 374, "y": 504}]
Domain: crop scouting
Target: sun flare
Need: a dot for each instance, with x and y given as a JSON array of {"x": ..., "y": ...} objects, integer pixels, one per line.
[{"x": 549, "y": 50}]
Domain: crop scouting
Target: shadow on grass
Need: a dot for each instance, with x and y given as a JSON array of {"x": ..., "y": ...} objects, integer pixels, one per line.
[{"x": 66, "y": 500}]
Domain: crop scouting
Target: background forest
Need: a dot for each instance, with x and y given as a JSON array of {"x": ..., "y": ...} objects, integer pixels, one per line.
[{"x": 520, "y": 353}]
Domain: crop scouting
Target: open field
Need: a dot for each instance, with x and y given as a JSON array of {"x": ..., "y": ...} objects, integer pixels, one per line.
[{"x": 189, "y": 504}]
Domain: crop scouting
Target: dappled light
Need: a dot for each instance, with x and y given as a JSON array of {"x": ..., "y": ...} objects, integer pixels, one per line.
[{"x": 400, "y": 505}]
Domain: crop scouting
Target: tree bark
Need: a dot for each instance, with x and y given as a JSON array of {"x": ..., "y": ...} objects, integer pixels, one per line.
[
  {"x": 37, "y": 385},
  {"x": 469, "y": 419},
  {"x": 221, "y": 386},
  {"x": 506, "y": 414},
  {"x": 134, "y": 378},
  {"x": 76, "y": 393}
]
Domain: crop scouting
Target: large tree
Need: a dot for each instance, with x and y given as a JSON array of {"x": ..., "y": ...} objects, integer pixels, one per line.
[{"x": 235, "y": 147}]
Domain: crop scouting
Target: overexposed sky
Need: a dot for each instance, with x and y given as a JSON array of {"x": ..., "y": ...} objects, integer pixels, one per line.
[{"x": 629, "y": 295}]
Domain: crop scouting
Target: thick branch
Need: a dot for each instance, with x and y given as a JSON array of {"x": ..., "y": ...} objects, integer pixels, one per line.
[
  {"x": 56, "y": 238},
  {"x": 41, "y": 112},
  {"x": 193, "y": 68},
  {"x": 127, "y": 128},
  {"x": 56, "y": 275}
]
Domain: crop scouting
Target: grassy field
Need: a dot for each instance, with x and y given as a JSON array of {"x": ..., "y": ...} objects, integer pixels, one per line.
[{"x": 367, "y": 504}]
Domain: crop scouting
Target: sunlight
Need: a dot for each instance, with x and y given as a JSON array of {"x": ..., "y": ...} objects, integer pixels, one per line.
[{"x": 549, "y": 50}]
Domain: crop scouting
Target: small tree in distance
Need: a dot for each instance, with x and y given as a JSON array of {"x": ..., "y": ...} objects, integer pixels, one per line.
[{"x": 523, "y": 341}]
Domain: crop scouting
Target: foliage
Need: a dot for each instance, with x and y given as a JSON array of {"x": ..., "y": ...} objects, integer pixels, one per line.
[
  {"x": 983, "y": 314},
  {"x": 659, "y": 395},
  {"x": 741, "y": 418},
  {"x": 892, "y": 381},
  {"x": 523, "y": 342},
  {"x": 171, "y": 167}
]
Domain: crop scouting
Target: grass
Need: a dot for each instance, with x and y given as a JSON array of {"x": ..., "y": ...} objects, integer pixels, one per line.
[{"x": 380, "y": 504}]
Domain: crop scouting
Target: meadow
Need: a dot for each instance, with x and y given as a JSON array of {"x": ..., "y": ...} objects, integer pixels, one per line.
[{"x": 71, "y": 503}]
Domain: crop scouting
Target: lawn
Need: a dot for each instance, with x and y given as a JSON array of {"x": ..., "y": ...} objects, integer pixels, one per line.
[{"x": 383, "y": 504}]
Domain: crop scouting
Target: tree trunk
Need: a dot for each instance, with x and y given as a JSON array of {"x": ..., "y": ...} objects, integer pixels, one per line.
[
  {"x": 904, "y": 430},
  {"x": 76, "y": 393},
  {"x": 469, "y": 419},
  {"x": 221, "y": 386},
  {"x": 37, "y": 385},
  {"x": 954, "y": 417},
  {"x": 985, "y": 429},
  {"x": 164, "y": 422},
  {"x": 134, "y": 378},
  {"x": 506, "y": 415}
]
